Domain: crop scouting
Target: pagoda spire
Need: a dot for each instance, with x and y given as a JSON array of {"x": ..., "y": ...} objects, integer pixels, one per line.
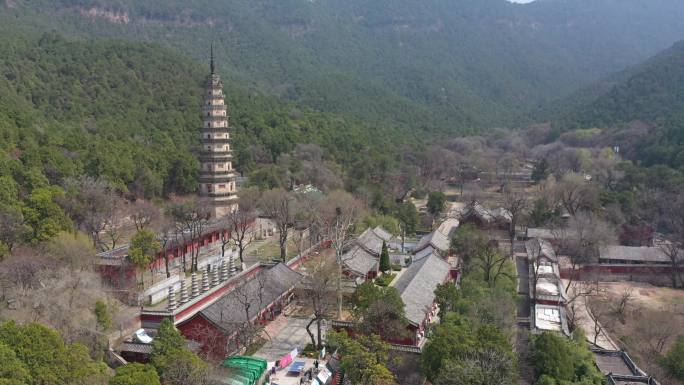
[{"x": 211, "y": 65}]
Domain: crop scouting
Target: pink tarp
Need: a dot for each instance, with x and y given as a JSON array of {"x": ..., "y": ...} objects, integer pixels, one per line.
[{"x": 288, "y": 358}]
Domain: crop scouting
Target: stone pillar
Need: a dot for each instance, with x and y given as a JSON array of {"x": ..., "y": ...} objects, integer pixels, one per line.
[
  {"x": 231, "y": 264},
  {"x": 215, "y": 277},
  {"x": 224, "y": 272},
  {"x": 194, "y": 286},
  {"x": 172, "y": 300},
  {"x": 183, "y": 292},
  {"x": 205, "y": 282}
]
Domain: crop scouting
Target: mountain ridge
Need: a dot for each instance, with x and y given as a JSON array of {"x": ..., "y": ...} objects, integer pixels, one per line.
[{"x": 444, "y": 66}]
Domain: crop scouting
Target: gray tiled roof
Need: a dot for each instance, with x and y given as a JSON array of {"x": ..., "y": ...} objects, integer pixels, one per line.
[
  {"x": 436, "y": 239},
  {"x": 417, "y": 285},
  {"x": 136, "y": 347},
  {"x": 550, "y": 234},
  {"x": 485, "y": 214},
  {"x": 260, "y": 291},
  {"x": 359, "y": 260},
  {"x": 448, "y": 226},
  {"x": 418, "y": 255},
  {"x": 372, "y": 239},
  {"x": 635, "y": 254}
]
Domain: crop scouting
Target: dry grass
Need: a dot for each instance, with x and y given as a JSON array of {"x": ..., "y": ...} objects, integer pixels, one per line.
[{"x": 653, "y": 318}]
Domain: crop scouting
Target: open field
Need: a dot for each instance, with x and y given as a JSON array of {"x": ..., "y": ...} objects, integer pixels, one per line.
[{"x": 650, "y": 324}]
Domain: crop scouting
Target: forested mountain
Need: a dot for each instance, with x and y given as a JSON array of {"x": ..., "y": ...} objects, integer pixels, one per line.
[
  {"x": 649, "y": 93},
  {"x": 441, "y": 65},
  {"x": 129, "y": 113}
]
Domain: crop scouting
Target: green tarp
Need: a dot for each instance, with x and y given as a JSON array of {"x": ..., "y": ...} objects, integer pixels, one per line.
[{"x": 246, "y": 370}]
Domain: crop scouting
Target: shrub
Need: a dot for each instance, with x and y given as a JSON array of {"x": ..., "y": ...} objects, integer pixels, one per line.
[{"x": 385, "y": 279}]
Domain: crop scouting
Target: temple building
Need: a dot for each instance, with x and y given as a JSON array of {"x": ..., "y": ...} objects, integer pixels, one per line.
[{"x": 217, "y": 176}]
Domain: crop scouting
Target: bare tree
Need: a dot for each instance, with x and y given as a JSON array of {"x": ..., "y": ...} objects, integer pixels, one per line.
[
  {"x": 279, "y": 206},
  {"x": 535, "y": 260},
  {"x": 191, "y": 216},
  {"x": 575, "y": 193},
  {"x": 516, "y": 203},
  {"x": 144, "y": 214},
  {"x": 655, "y": 330},
  {"x": 675, "y": 255},
  {"x": 403, "y": 182},
  {"x": 622, "y": 303},
  {"x": 579, "y": 291},
  {"x": 339, "y": 212},
  {"x": 166, "y": 235},
  {"x": 315, "y": 288},
  {"x": 90, "y": 203},
  {"x": 114, "y": 224},
  {"x": 250, "y": 297},
  {"x": 314, "y": 169},
  {"x": 492, "y": 263},
  {"x": 307, "y": 222},
  {"x": 505, "y": 166},
  {"x": 596, "y": 310},
  {"x": 582, "y": 239},
  {"x": 240, "y": 223}
]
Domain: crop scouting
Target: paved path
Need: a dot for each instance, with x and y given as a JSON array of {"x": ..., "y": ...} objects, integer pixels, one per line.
[
  {"x": 522, "y": 268},
  {"x": 525, "y": 370},
  {"x": 286, "y": 333},
  {"x": 586, "y": 322}
]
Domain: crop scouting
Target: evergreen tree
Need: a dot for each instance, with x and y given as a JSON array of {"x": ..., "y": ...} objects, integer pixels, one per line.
[
  {"x": 674, "y": 360},
  {"x": 385, "y": 265},
  {"x": 104, "y": 319},
  {"x": 173, "y": 360},
  {"x": 541, "y": 171},
  {"x": 135, "y": 374},
  {"x": 409, "y": 218},
  {"x": 37, "y": 354},
  {"x": 559, "y": 360},
  {"x": 436, "y": 202},
  {"x": 144, "y": 247}
]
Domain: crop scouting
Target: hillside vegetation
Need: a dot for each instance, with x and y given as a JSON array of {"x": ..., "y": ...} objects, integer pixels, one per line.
[
  {"x": 438, "y": 65},
  {"x": 650, "y": 93},
  {"x": 129, "y": 113}
]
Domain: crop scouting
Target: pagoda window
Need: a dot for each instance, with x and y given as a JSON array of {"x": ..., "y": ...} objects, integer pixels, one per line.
[{"x": 222, "y": 186}]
